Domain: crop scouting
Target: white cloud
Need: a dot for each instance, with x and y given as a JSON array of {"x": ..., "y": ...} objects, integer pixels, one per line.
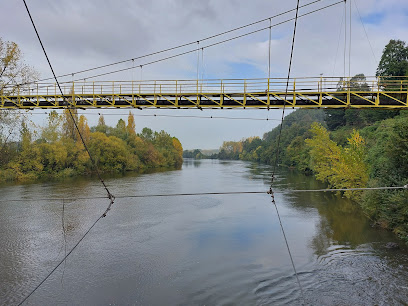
[{"x": 80, "y": 34}]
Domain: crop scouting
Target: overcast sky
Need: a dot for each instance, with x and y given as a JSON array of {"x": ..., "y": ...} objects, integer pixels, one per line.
[{"x": 80, "y": 34}]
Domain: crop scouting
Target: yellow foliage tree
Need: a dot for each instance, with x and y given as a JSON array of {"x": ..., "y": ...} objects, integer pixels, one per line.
[{"x": 339, "y": 167}]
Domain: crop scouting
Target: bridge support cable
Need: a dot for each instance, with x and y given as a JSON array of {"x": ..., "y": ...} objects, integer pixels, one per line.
[
  {"x": 350, "y": 20},
  {"x": 70, "y": 112},
  {"x": 269, "y": 49},
  {"x": 212, "y": 44},
  {"x": 109, "y": 194},
  {"x": 271, "y": 192},
  {"x": 345, "y": 38},
  {"x": 164, "y": 195},
  {"x": 181, "y": 45}
]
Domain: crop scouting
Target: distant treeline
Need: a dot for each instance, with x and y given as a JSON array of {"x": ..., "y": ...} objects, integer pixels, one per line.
[
  {"x": 200, "y": 154},
  {"x": 56, "y": 150}
]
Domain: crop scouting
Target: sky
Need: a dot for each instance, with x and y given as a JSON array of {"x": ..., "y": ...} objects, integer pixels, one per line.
[{"x": 81, "y": 34}]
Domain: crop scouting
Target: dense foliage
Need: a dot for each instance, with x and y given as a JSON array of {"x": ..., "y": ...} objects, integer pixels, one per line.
[
  {"x": 347, "y": 148},
  {"x": 57, "y": 150}
]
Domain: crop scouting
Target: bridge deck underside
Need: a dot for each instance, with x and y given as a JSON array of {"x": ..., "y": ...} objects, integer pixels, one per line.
[{"x": 354, "y": 99}]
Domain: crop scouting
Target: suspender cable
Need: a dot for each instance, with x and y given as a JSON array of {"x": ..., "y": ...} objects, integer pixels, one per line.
[
  {"x": 202, "y": 64},
  {"x": 269, "y": 51},
  {"x": 350, "y": 41},
  {"x": 198, "y": 59},
  {"x": 345, "y": 37}
]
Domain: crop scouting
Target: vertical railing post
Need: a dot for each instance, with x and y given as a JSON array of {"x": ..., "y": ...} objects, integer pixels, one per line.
[
  {"x": 222, "y": 94},
  {"x": 245, "y": 90},
  {"x": 93, "y": 93},
  {"x": 348, "y": 90},
  {"x": 268, "y": 101},
  {"x": 113, "y": 92},
  {"x": 73, "y": 93},
  {"x": 294, "y": 92},
  {"x": 176, "y": 94}
]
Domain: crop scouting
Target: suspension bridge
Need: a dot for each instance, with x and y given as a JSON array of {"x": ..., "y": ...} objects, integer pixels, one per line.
[{"x": 328, "y": 92}]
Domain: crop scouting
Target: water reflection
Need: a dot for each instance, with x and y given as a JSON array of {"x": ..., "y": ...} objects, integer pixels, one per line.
[
  {"x": 188, "y": 162},
  {"x": 196, "y": 250}
]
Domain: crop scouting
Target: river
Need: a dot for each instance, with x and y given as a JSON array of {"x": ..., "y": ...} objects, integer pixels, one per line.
[{"x": 195, "y": 250}]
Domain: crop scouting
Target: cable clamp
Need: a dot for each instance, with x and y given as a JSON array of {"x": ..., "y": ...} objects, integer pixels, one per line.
[{"x": 406, "y": 186}]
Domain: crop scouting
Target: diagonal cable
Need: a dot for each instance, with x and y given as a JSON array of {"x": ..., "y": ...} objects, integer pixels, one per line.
[{"x": 110, "y": 196}]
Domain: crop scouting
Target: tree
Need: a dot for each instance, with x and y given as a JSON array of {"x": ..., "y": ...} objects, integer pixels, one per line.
[
  {"x": 147, "y": 134},
  {"x": 13, "y": 73},
  {"x": 131, "y": 126},
  {"x": 101, "y": 127},
  {"x": 394, "y": 60},
  {"x": 68, "y": 126},
  {"x": 339, "y": 167},
  {"x": 50, "y": 133},
  {"x": 84, "y": 130},
  {"x": 13, "y": 70}
]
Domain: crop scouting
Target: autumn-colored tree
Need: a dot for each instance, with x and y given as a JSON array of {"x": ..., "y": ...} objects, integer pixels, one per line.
[
  {"x": 131, "y": 126},
  {"x": 68, "y": 126},
  {"x": 339, "y": 167},
  {"x": 13, "y": 70},
  {"x": 84, "y": 130},
  {"x": 179, "y": 149},
  {"x": 101, "y": 127},
  {"x": 14, "y": 74}
]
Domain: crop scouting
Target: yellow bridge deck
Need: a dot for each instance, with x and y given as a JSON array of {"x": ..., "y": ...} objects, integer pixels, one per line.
[{"x": 390, "y": 92}]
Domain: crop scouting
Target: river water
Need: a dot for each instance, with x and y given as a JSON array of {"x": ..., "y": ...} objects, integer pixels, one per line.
[{"x": 195, "y": 250}]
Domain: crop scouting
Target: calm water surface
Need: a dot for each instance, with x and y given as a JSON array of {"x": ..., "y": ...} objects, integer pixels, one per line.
[{"x": 195, "y": 250}]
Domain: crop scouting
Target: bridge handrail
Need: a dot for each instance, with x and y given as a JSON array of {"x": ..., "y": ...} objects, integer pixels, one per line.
[{"x": 180, "y": 87}]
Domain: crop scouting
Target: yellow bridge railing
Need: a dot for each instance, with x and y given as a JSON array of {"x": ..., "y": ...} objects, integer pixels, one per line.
[{"x": 324, "y": 92}]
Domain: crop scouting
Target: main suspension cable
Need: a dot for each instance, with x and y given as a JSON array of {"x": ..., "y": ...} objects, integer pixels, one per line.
[
  {"x": 179, "y": 46},
  {"x": 210, "y": 45}
]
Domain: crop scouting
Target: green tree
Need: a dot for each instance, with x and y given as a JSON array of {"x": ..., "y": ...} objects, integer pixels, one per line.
[
  {"x": 394, "y": 60},
  {"x": 147, "y": 134},
  {"x": 51, "y": 132}
]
